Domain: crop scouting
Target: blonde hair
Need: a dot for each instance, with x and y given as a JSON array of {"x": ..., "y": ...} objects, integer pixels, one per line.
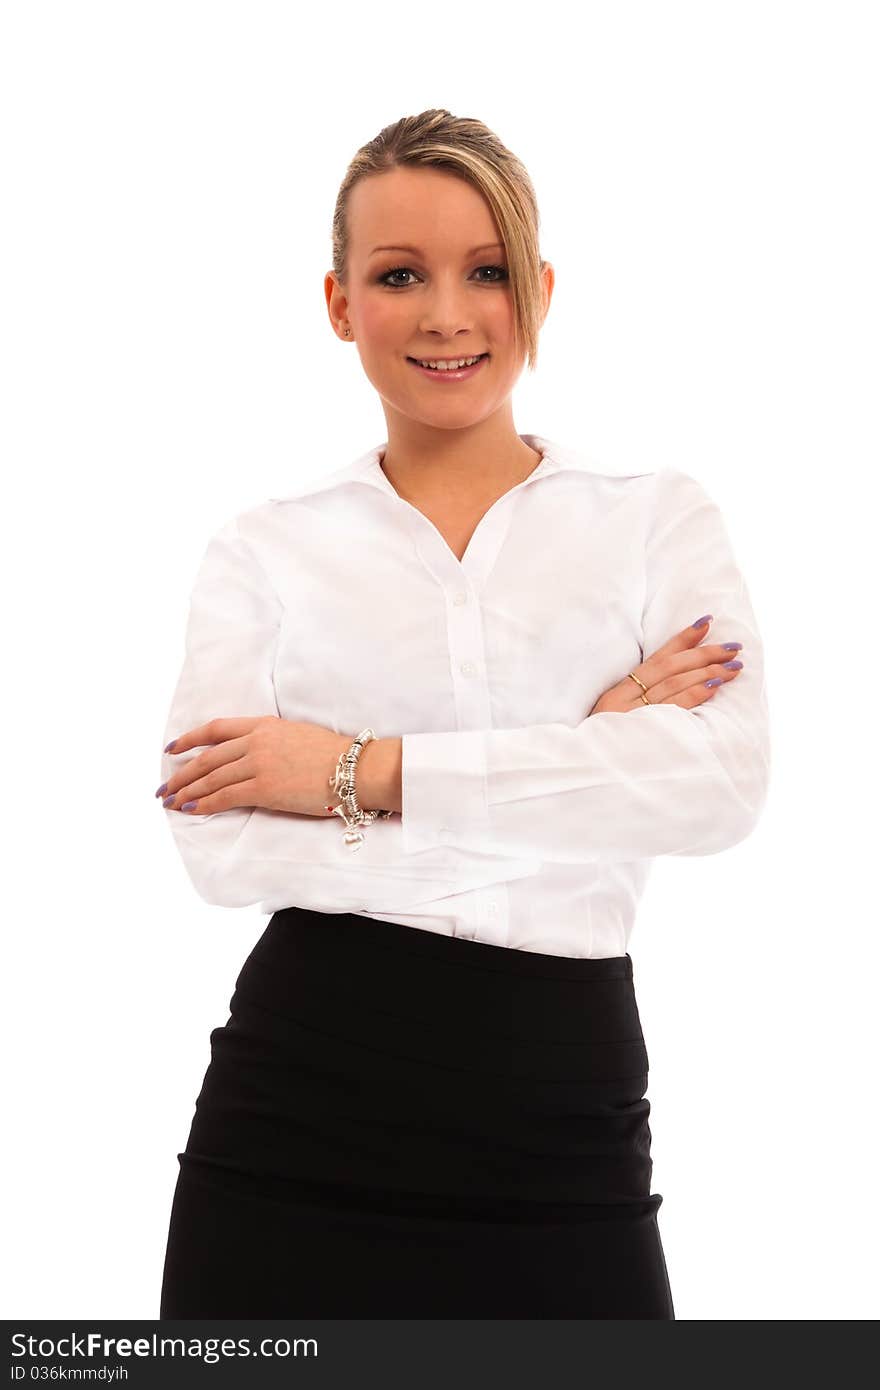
[{"x": 465, "y": 147}]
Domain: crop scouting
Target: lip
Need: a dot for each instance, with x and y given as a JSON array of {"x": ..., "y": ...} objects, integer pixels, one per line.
[{"x": 459, "y": 375}]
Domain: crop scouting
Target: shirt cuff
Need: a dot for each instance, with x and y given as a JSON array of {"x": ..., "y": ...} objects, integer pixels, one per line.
[{"x": 443, "y": 790}]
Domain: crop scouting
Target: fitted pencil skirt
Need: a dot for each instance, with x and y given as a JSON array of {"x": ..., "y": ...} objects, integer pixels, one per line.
[{"x": 395, "y": 1123}]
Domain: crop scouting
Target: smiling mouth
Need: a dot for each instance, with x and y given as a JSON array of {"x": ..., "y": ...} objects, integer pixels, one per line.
[{"x": 420, "y": 362}]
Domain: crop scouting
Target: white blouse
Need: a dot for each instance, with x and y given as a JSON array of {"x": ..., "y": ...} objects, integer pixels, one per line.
[{"x": 525, "y": 822}]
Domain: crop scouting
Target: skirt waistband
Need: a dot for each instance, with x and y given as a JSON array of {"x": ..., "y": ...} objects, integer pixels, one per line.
[
  {"x": 368, "y": 934},
  {"x": 447, "y": 999}
]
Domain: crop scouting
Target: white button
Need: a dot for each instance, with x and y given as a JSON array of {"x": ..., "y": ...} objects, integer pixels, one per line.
[
  {"x": 468, "y": 668},
  {"x": 460, "y": 597},
  {"x": 493, "y": 909}
]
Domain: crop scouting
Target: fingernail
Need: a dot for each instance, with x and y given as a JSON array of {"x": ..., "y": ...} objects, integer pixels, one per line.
[
  {"x": 168, "y": 800},
  {"x": 733, "y": 665},
  {"x": 188, "y": 805},
  {"x": 162, "y": 790},
  {"x": 701, "y": 621},
  {"x": 732, "y": 646},
  {"x": 169, "y": 746},
  {"x": 716, "y": 680}
]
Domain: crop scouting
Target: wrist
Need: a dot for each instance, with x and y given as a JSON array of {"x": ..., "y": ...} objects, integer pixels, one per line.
[{"x": 378, "y": 775}]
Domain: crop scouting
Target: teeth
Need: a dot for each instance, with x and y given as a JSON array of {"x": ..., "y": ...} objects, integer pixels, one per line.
[{"x": 449, "y": 366}]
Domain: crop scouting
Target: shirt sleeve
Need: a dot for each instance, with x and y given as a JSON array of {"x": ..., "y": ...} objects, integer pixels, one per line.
[
  {"x": 656, "y": 780},
  {"x": 231, "y": 637}
]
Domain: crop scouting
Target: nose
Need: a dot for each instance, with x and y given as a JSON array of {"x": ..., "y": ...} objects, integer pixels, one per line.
[{"x": 445, "y": 314}]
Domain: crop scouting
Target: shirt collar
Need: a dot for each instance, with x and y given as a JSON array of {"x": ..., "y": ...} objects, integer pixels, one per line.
[{"x": 367, "y": 468}]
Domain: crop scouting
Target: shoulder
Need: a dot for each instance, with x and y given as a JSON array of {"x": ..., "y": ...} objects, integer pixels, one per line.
[
  {"x": 683, "y": 514},
  {"x": 675, "y": 491}
]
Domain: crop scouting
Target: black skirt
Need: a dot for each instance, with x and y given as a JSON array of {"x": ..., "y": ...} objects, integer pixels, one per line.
[{"x": 396, "y": 1123}]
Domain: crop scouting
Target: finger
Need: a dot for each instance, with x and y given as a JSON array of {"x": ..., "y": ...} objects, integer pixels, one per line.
[
  {"x": 688, "y": 680},
  {"x": 215, "y": 731},
  {"x": 199, "y": 767},
  {"x": 684, "y": 641},
  {"x": 688, "y": 637},
  {"x": 188, "y": 785},
  {"x": 662, "y": 666},
  {"x": 695, "y": 695},
  {"x": 224, "y": 799}
]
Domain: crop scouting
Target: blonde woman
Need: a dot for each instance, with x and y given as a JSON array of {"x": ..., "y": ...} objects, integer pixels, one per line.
[{"x": 429, "y": 1099}]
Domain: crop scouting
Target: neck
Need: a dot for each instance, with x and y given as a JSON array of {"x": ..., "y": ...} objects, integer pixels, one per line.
[{"x": 461, "y": 466}]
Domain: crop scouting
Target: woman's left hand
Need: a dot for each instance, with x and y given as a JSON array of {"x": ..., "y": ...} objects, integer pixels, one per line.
[{"x": 258, "y": 761}]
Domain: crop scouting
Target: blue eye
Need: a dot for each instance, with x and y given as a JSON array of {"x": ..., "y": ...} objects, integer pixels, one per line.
[{"x": 405, "y": 270}]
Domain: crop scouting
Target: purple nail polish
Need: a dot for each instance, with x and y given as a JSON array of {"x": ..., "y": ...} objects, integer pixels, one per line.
[
  {"x": 188, "y": 805},
  {"x": 707, "y": 618},
  {"x": 733, "y": 665},
  {"x": 716, "y": 680},
  {"x": 169, "y": 747},
  {"x": 160, "y": 791},
  {"x": 732, "y": 646},
  {"x": 168, "y": 800}
]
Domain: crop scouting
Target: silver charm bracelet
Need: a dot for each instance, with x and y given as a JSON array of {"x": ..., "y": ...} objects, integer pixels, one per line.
[{"x": 342, "y": 783}]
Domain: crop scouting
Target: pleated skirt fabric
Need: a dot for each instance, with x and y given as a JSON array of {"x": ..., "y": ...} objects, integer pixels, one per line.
[{"x": 395, "y": 1123}]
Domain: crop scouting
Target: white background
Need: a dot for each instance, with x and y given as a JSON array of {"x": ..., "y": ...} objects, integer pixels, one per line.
[{"x": 707, "y": 179}]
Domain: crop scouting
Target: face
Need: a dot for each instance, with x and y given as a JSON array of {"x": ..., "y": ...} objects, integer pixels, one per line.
[{"x": 439, "y": 290}]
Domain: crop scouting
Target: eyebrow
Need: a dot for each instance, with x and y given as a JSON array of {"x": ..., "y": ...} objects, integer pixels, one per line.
[{"x": 488, "y": 246}]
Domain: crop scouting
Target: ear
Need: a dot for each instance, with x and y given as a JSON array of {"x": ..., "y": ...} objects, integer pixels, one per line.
[
  {"x": 337, "y": 304},
  {"x": 548, "y": 280}
]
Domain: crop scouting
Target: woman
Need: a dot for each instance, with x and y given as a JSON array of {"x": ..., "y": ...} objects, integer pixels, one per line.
[{"x": 429, "y": 1098}]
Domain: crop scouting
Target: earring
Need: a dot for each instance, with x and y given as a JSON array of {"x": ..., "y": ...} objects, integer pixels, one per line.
[{"x": 347, "y": 331}]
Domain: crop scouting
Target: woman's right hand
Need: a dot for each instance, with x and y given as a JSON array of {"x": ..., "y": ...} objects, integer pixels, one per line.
[{"x": 676, "y": 674}]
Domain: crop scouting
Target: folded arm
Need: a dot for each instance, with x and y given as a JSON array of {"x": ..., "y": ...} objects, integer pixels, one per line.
[
  {"x": 247, "y": 855},
  {"x": 656, "y": 780}
]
